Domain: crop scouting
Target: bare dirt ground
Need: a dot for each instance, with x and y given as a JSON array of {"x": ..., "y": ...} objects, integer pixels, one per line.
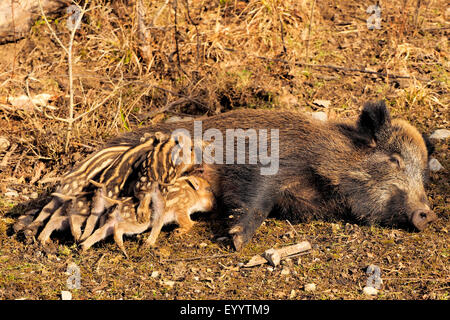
[{"x": 211, "y": 57}]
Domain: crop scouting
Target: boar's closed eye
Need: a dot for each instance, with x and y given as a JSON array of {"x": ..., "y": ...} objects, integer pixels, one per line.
[{"x": 397, "y": 160}]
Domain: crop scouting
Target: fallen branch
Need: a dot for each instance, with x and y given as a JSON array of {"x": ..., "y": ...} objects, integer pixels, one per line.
[{"x": 274, "y": 256}]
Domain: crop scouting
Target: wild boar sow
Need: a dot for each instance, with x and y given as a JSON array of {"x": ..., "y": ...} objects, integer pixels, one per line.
[{"x": 371, "y": 169}]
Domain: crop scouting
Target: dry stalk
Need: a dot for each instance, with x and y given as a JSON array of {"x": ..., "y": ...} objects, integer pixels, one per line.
[
  {"x": 68, "y": 50},
  {"x": 309, "y": 31}
]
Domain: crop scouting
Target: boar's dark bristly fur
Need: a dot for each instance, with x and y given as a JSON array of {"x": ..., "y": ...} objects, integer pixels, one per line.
[{"x": 372, "y": 169}]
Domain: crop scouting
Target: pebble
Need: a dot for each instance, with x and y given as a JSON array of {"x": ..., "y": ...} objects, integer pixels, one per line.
[
  {"x": 285, "y": 271},
  {"x": 168, "y": 283},
  {"x": 310, "y": 287},
  {"x": 66, "y": 295},
  {"x": 11, "y": 193},
  {"x": 292, "y": 294},
  {"x": 435, "y": 165},
  {"x": 155, "y": 274},
  {"x": 319, "y": 115},
  {"x": 440, "y": 134},
  {"x": 370, "y": 291}
]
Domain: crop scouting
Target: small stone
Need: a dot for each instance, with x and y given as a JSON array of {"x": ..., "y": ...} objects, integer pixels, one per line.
[
  {"x": 435, "y": 165},
  {"x": 285, "y": 271},
  {"x": 203, "y": 244},
  {"x": 155, "y": 274},
  {"x": 310, "y": 287},
  {"x": 270, "y": 269},
  {"x": 370, "y": 291},
  {"x": 319, "y": 115},
  {"x": 11, "y": 193},
  {"x": 66, "y": 295},
  {"x": 440, "y": 134},
  {"x": 168, "y": 283},
  {"x": 292, "y": 294}
]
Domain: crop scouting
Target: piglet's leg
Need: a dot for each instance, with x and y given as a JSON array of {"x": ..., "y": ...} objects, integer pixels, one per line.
[
  {"x": 98, "y": 208},
  {"x": 143, "y": 212},
  {"x": 78, "y": 214},
  {"x": 100, "y": 234},
  {"x": 46, "y": 212},
  {"x": 128, "y": 228},
  {"x": 184, "y": 221},
  {"x": 75, "y": 222},
  {"x": 58, "y": 221},
  {"x": 157, "y": 216}
]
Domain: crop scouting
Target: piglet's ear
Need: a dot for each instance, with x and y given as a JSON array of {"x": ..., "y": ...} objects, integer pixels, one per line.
[{"x": 375, "y": 122}]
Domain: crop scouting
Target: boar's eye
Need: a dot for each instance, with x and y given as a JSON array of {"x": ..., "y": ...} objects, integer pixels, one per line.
[{"x": 397, "y": 160}]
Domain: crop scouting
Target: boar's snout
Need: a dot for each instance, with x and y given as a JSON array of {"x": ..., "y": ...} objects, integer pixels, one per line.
[{"x": 422, "y": 217}]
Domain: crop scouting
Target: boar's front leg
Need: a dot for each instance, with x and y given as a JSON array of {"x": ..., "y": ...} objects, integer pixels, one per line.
[{"x": 253, "y": 212}]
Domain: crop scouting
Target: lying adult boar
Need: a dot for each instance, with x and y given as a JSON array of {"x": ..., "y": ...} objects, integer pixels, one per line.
[{"x": 371, "y": 169}]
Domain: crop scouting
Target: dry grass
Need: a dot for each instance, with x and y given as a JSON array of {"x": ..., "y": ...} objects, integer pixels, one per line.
[{"x": 221, "y": 55}]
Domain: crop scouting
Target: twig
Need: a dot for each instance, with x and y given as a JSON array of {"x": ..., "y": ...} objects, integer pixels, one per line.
[
  {"x": 5, "y": 159},
  {"x": 24, "y": 152},
  {"x": 416, "y": 16},
  {"x": 98, "y": 263},
  {"x": 292, "y": 227},
  {"x": 177, "y": 51},
  {"x": 309, "y": 31},
  {"x": 14, "y": 39},
  {"x": 282, "y": 32},
  {"x": 143, "y": 33},
  {"x": 70, "y": 120},
  {"x": 186, "y": 4}
]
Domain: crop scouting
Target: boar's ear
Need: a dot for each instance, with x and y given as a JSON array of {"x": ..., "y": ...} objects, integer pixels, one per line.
[
  {"x": 375, "y": 122},
  {"x": 429, "y": 144}
]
